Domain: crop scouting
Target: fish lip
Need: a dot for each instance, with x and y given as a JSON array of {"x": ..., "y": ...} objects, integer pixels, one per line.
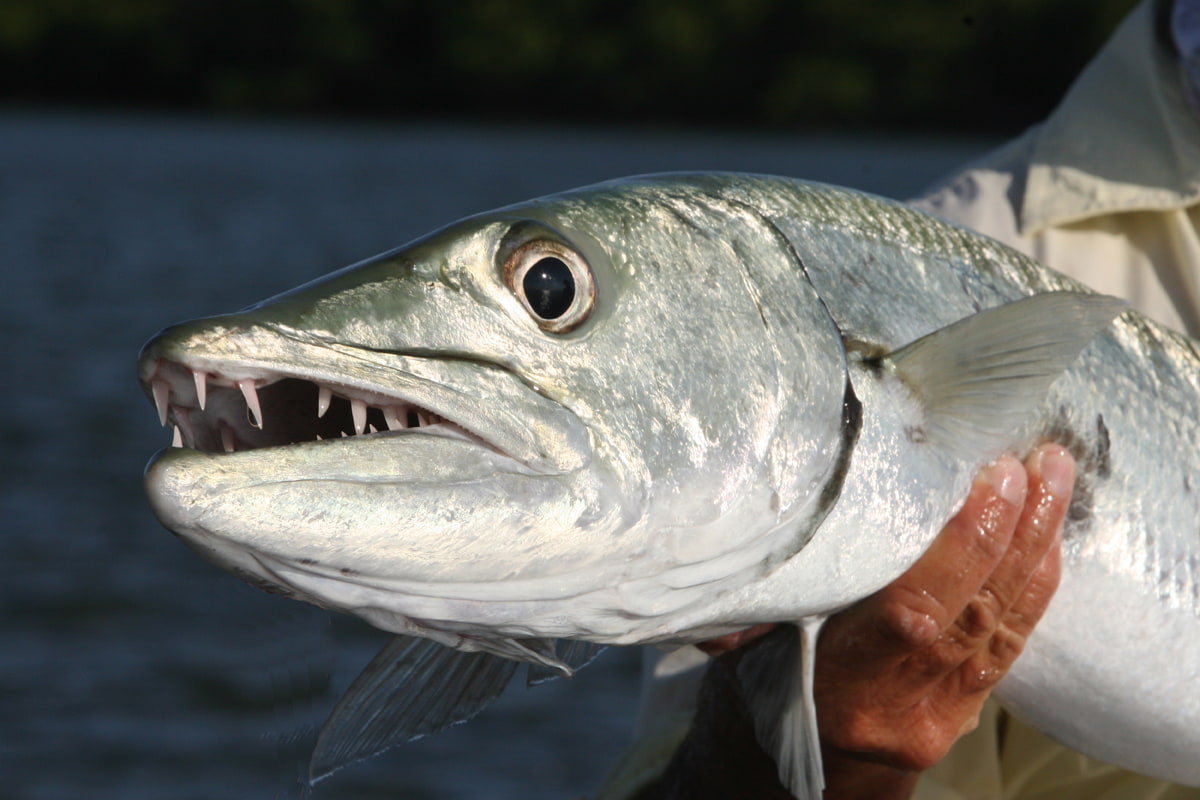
[{"x": 197, "y": 376}]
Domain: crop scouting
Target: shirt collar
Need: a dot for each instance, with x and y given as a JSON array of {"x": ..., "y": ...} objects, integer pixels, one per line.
[{"x": 1123, "y": 139}]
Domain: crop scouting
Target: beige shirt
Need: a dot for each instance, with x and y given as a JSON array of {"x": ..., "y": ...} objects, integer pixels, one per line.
[{"x": 1107, "y": 189}]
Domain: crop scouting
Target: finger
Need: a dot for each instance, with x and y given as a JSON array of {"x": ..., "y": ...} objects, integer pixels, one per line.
[
  {"x": 913, "y": 611},
  {"x": 1051, "y": 475},
  {"x": 987, "y": 666},
  {"x": 1051, "y": 478},
  {"x": 1031, "y": 606},
  {"x": 1051, "y": 471}
]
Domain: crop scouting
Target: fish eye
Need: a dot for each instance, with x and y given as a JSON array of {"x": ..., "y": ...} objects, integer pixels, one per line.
[
  {"x": 553, "y": 283},
  {"x": 549, "y": 287}
]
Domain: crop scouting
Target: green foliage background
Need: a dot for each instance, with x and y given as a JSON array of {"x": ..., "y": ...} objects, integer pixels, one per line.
[{"x": 939, "y": 65}]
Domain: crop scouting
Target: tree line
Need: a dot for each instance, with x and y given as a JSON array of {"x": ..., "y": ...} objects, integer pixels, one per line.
[{"x": 944, "y": 65}]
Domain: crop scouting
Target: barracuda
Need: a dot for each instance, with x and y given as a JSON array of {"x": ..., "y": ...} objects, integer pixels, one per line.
[{"x": 668, "y": 408}]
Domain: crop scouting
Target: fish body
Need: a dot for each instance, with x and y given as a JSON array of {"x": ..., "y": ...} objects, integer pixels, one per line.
[{"x": 663, "y": 409}]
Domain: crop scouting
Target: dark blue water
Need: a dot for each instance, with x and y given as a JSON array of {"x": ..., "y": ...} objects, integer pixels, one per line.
[{"x": 130, "y": 668}]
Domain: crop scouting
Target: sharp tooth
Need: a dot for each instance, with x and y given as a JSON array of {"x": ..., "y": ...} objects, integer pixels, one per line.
[
  {"x": 422, "y": 418},
  {"x": 393, "y": 418},
  {"x": 177, "y": 439},
  {"x": 324, "y": 396},
  {"x": 358, "y": 410},
  {"x": 372, "y": 429},
  {"x": 162, "y": 396},
  {"x": 183, "y": 417},
  {"x": 201, "y": 380},
  {"x": 250, "y": 392},
  {"x": 226, "y": 437}
]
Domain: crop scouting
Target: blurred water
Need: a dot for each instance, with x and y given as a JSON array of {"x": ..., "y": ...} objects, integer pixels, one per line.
[{"x": 131, "y": 669}]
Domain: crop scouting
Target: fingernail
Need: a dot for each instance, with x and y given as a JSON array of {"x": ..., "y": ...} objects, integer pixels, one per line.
[
  {"x": 1057, "y": 469},
  {"x": 1007, "y": 480}
]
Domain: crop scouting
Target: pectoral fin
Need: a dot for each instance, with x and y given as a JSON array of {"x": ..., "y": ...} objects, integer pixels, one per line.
[
  {"x": 981, "y": 378},
  {"x": 412, "y": 688}
]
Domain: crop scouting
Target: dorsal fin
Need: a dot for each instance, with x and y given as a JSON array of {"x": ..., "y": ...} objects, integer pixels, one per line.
[{"x": 982, "y": 377}]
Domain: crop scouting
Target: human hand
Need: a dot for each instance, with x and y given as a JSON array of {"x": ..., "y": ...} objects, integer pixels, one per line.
[{"x": 903, "y": 674}]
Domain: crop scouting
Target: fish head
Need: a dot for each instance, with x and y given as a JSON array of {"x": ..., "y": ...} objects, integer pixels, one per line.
[{"x": 573, "y": 417}]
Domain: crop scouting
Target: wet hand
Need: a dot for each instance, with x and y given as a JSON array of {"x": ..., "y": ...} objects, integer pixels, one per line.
[{"x": 903, "y": 674}]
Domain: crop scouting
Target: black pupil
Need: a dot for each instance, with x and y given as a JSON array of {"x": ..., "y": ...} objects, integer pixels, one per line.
[{"x": 549, "y": 287}]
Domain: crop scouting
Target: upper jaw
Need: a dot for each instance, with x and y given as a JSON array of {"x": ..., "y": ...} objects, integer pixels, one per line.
[{"x": 226, "y": 387}]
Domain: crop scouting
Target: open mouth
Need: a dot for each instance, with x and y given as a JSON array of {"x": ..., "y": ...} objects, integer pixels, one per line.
[
  {"x": 215, "y": 413},
  {"x": 225, "y": 385}
]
